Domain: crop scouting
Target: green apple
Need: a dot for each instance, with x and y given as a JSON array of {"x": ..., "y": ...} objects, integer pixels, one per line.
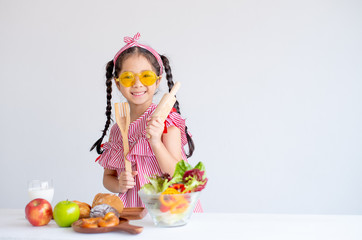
[{"x": 65, "y": 213}]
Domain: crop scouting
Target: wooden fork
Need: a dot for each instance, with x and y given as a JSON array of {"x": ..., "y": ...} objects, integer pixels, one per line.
[{"x": 123, "y": 120}]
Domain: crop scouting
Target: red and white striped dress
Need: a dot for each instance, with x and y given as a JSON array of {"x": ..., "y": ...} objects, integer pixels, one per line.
[{"x": 140, "y": 155}]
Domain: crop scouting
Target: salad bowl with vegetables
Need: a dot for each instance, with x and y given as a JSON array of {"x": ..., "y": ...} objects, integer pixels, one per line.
[{"x": 170, "y": 201}]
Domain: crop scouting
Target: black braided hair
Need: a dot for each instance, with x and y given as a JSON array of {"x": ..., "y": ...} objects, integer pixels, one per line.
[
  {"x": 109, "y": 78},
  {"x": 117, "y": 68},
  {"x": 170, "y": 83}
]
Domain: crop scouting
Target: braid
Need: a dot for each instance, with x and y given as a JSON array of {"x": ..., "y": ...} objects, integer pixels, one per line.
[
  {"x": 170, "y": 84},
  {"x": 109, "y": 76}
]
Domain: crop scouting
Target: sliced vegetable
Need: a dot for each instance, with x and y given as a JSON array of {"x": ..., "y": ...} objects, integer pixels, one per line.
[
  {"x": 164, "y": 208},
  {"x": 167, "y": 200},
  {"x": 178, "y": 186},
  {"x": 180, "y": 207},
  {"x": 171, "y": 190}
]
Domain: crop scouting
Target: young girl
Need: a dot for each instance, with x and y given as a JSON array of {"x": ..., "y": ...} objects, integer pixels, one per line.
[{"x": 137, "y": 71}]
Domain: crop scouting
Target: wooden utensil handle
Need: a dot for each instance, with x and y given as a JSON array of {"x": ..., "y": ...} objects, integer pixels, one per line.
[
  {"x": 128, "y": 165},
  {"x": 129, "y": 228},
  {"x": 175, "y": 88},
  {"x": 123, "y": 127},
  {"x": 165, "y": 106}
]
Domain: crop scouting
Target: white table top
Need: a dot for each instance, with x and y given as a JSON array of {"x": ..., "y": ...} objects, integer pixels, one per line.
[{"x": 13, "y": 225}]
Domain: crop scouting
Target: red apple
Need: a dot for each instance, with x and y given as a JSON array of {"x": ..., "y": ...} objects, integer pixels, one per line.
[{"x": 39, "y": 212}]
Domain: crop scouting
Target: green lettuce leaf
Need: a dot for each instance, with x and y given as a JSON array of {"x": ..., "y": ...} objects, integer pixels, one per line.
[
  {"x": 156, "y": 185},
  {"x": 193, "y": 178},
  {"x": 193, "y": 183},
  {"x": 149, "y": 189},
  {"x": 200, "y": 166},
  {"x": 176, "y": 179},
  {"x": 181, "y": 167}
]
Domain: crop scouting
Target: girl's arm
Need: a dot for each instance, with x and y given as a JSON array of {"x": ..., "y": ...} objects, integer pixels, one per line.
[
  {"x": 167, "y": 146},
  {"x": 121, "y": 185}
]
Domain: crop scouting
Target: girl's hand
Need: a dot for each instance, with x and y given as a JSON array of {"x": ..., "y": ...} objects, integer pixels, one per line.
[
  {"x": 126, "y": 181},
  {"x": 155, "y": 129}
]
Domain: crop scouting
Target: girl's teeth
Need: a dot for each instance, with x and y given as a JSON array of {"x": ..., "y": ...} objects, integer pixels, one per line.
[{"x": 138, "y": 94}]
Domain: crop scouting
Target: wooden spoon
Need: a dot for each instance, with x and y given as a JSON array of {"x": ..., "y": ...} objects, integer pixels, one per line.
[{"x": 123, "y": 120}]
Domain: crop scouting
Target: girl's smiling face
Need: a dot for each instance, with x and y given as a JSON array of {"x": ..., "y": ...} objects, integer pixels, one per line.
[{"x": 138, "y": 94}]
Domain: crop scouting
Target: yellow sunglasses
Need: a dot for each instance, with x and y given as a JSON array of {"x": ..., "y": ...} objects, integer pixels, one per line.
[{"x": 147, "y": 78}]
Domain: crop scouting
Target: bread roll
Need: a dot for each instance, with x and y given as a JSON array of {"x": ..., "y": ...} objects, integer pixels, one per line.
[
  {"x": 110, "y": 199},
  {"x": 84, "y": 209}
]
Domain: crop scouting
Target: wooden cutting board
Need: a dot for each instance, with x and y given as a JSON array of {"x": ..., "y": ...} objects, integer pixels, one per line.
[
  {"x": 133, "y": 213},
  {"x": 126, "y": 215},
  {"x": 122, "y": 226}
]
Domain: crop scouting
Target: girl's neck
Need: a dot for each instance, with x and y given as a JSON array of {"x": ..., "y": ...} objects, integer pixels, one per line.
[{"x": 137, "y": 110}]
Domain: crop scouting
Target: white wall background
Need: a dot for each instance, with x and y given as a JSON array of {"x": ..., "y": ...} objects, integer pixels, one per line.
[{"x": 271, "y": 91}]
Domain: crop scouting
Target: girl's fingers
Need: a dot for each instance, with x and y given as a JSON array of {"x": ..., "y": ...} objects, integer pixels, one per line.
[
  {"x": 125, "y": 185},
  {"x": 126, "y": 180},
  {"x": 155, "y": 128},
  {"x": 155, "y": 122},
  {"x": 125, "y": 176},
  {"x": 129, "y": 184}
]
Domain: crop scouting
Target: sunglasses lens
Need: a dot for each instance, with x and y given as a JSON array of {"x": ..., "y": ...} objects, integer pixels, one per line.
[
  {"x": 127, "y": 79},
  {"x": 148, "y": 78}
]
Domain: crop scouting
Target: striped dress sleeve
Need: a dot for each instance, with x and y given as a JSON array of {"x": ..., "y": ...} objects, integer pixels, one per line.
[
  {"x": 175, "y": 119},
  {"x": 112, "y": 156}
]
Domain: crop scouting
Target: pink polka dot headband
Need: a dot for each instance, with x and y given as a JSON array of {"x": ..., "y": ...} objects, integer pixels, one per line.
[{"x": 131, "y": 42}]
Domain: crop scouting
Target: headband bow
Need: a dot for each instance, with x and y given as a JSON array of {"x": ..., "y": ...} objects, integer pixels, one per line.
[{"x": 131, "y": 42}]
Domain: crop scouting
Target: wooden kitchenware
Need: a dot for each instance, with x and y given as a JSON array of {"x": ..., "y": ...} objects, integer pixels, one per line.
[
  {"x": 127, "y": 214},
  {"x": 166, "y": 104},
  {"x": 123, "y": 120},
  {"x": 122, "y": 226},
  {"x": 133, "y": 213}
]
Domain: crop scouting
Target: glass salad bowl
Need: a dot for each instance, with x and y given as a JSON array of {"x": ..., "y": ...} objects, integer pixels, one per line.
[{"x": 170, "y": 210}]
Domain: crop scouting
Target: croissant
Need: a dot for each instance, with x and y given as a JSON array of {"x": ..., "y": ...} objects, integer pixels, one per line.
[{"x": 84, "y": 209}]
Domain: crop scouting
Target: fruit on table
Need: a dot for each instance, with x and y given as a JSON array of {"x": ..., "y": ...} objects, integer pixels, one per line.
[
  {"x": 38, "y": 212},
  {"x": 65, "y": 213}
]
